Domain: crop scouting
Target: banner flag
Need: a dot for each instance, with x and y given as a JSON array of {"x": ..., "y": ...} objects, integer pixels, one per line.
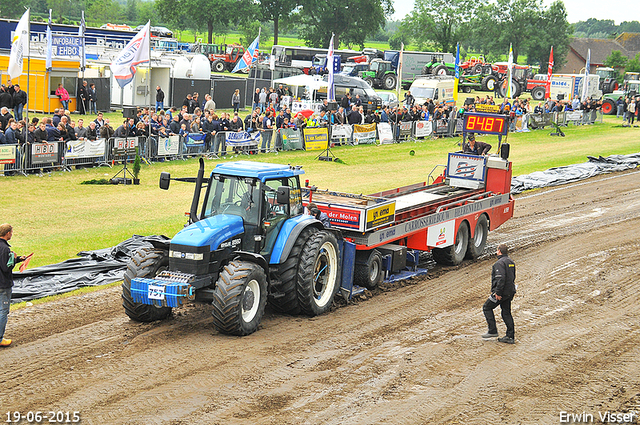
[
  {"x": 456, "y": 81},
  {"x": 250, "y": 55},
  {"x": 135, "y": 53},
  {"x": 399, "y": 81},
  {"x": 331, "y": 93},
  {"x": 510, "y": 71},
  {"x": 19, "y": 46},
  {"x": 547, "y": 91},
  {"x": 49, "y": 37},
  {"x": 81, "y": 31},
  {"x": 585, "y": 87}
]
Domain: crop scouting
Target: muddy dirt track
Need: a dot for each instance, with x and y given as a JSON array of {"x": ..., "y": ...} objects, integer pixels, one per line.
[{"x": 410, "y": 354}]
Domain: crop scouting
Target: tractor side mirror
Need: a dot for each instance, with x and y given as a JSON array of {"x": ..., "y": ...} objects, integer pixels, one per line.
[
  {"x": 283, "y": 195},
  {"x": 165, "y": 180}
]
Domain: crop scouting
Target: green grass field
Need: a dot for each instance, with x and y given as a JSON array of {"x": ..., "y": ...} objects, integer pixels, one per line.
[{"x": 56, "y": 217}]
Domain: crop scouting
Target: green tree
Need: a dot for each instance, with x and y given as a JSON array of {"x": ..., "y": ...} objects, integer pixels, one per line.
[
  {"x": 552, "y": 29},
  {"x": 249, "y": 31},
  {"x": 592, "y": 26},
  {"x": 103, "y": 11},
  {"x": 633, "y": 65},
  {"x": 352, "y": 21},
  {"x": 277, "y": 10},
  {"x": 59, "y": 9},
  {"x": 439, "y": 21},
  {"x": 626, "y": 26},
  {"x": 616, "y": 60},
  {"x": 131, "y": 12}
]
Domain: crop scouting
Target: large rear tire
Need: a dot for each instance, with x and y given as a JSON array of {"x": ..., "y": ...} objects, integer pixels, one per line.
[
  {"x": 390, "y": 81},
  {"x": 146, "y": 262},
  {"x": 318, "y": 273},
  {"x": 475, "y": 248},
  {"x": 489, "y": 83},
  {"x": 609, "y": 107},
  {"x": 537, "y": 93},
  {"x": 218, "y": 66},
  {"x": 369, "y": 81},
  {"x": 368, "y": 270},
  {"x": 477, "y": 69},
  {"x": 283, "y": 296},
  {"x": 239, "y": 298},
  {"x": 454, "y": 254},
  {"x": 439, "y": 70}
]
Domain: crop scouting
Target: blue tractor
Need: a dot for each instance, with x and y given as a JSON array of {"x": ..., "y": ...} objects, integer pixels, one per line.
[{"x": 249, "y": 244}]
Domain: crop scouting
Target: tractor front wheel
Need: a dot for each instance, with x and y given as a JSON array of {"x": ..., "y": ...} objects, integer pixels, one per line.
[
  {"x": 239, "y": 298},
  {"x": 146, "y": 262}
]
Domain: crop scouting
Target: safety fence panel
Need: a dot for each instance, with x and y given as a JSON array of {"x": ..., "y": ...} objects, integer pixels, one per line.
[
  {"x": 540, "y": 120},
  {"x": 442, "y": 127},
  {"x": 385, "y": 133},
  {"x": 364, "y": 134},
  {"x": 242, "y": 141},
  {"x": 289, "y": 139},
  {"x": 341, "y": 134},
  {"x": 9, "y": 162},
  {"x": 85, "y": 152},
  {"x": 404, "y": 129},
  {"x": 193, "y": 144},
  {"x": 164, "y": 147},
  {"x": 422, "y": 129}
]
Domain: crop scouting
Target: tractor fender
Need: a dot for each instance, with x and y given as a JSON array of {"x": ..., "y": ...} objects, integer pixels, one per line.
[
  {"x": 253, "y": 258},
  {"x": 289, "y": 233}
]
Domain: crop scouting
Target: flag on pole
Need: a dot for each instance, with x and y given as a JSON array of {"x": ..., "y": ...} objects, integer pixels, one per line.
[
  {"x": 135, "y": 53},
  {"x": 81, "y": 31},
  {"x": 331, "y": 93},
  {"x": 456, "y": 81},
  {"x": 547, "y": 91},
  {"x": 19, "y": 46},
  {"x": 509, "y": 71},
  {"x": 49, "y": 38},
  {"x": 585, "y": 85},
  {"x": 250, "y": 55},
  {"x": 399, "y": 81}
]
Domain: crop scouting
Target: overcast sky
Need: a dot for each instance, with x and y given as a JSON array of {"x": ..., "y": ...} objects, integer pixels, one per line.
[{"x": 577, "y": 10}]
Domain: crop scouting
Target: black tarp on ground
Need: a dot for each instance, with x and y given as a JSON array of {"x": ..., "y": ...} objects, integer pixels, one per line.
[
  {"x": 92, "y": 268},
  {"x": 571, "y": 173}
]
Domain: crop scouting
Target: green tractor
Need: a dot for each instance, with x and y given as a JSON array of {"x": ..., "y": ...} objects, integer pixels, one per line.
[
  {"x": 609, "y": 100},
  {"x": 608, "y": 79},
  {"x": 437, "y": 66},
  {"x": 380, "y": 74}
]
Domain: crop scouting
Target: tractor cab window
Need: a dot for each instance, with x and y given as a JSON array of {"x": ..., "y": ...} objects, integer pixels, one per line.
[
  {"x": 374, "y": 66},
  {"x": 233, "y": 196},
  {"x": 273, "y": 214}
]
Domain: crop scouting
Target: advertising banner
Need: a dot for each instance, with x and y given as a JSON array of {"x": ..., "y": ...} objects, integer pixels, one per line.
[
  {"x": 468, "y": 167},
  {"x": 85, "y": 148},
  {"x": 168, "y": 146},
  {"x": 423, "y": 129},
  {"x": 364, "y": 134},
  {"x": 194, "y": 140},
  {"x": 493, "y": 109},
  {"x": 441, "y": 235},
  {"x": 242, "y": 138},
  {"x": 290, "y": 139},
  {"x": 380, "y": 215},
  {"x": 385, "y": 133},
  {"x": 7, "y": 154},
  {"x": 316, "y": 139},
  {"x": 44, "y": 153},
  {"x": 341, "y": 134},
  {"x": 442, "y": 126},
  {"x": 405, "y": 129}
]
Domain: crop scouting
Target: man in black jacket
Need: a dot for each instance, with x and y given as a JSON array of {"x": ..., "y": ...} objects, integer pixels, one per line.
[
  {"x": 475, "y": 148},
  {"x": 19, "y": 101},
  {"x": 503, "y": 288},
  {"x": 8, "y": 260}
]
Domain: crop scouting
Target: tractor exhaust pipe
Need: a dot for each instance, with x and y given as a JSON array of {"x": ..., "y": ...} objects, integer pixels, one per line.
[{"x": 193, "y": 212}]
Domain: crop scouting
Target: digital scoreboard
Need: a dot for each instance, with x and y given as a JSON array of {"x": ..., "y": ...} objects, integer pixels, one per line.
[{"x": 485, "y": 123}]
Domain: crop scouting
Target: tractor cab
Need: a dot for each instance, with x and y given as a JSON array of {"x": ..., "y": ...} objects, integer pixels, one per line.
[{"x": 381, "y": 68}]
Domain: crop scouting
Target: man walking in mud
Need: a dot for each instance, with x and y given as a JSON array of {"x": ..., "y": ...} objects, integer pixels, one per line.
[{"x": 503, "y": 288}]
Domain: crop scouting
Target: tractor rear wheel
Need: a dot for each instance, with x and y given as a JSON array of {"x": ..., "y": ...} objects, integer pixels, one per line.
[
  {"x": 368, "y": 270},
  {"x": 239, "y": 298},
  {"x": 146, "y": 262},
  {"x": 489, "y": 83},
  {"x": 466, "y": 89},
  {"x": 369, "y": 81},
  {"x": 454, "y": 254},
  {"x": 537, "y": 93},
  {"x": 439, "y": 70},
  {"x": 609, "y": 107},
  {"x": 318, "y": 273},
  {"x": 283, "y": 296},
  {"x": 218, "y": 65},
  {"x": 477, "y": 69},
  {"x": 390, "y": 81},
  {"x": 475, "y": 248}
]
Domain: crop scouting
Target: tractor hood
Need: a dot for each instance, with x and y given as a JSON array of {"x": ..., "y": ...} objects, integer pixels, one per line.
[{"x": 210, "y": 232}]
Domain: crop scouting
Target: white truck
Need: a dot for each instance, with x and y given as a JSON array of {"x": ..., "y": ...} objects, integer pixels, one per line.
[
  {"x": 571, "y": 86},
  {"x": 436, "y": 87}
]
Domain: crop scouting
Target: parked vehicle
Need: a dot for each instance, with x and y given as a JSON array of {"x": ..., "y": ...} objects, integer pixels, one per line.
[
  {"x": 608, "y": 79},
  {"x": 436, "y": 87},
  {"x": 388, "y": 99},
  {"x": 380, "y": 75}
]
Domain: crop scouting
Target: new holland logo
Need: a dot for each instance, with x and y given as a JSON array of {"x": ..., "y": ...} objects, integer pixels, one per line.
[{"x": 464, "y": 169}]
